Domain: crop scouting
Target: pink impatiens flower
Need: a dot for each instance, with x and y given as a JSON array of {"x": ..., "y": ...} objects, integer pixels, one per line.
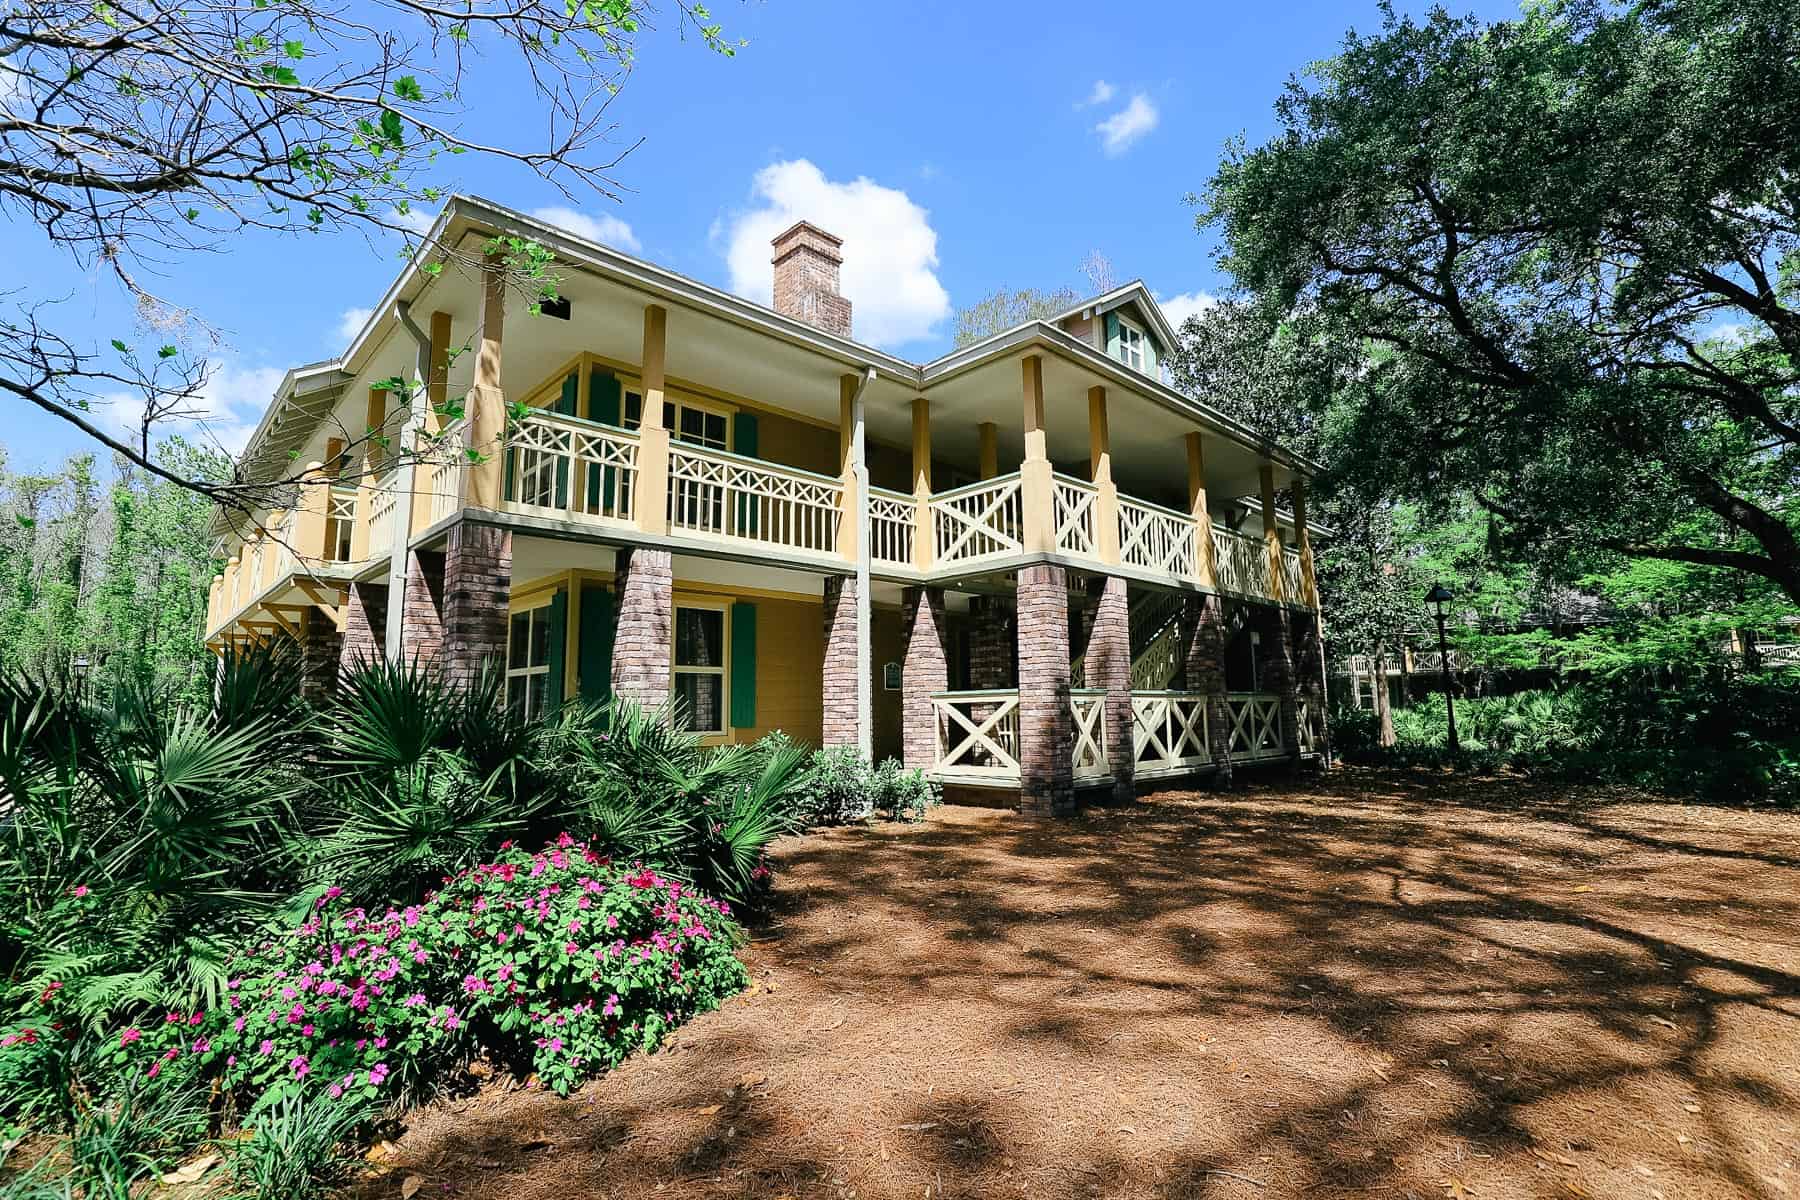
[
  {"x": 298, "y": 1066},
  {"x": 130, "y": 1036}
]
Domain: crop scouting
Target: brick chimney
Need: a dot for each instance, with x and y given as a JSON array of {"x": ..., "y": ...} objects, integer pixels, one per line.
[{"x": 806, "y": 278}]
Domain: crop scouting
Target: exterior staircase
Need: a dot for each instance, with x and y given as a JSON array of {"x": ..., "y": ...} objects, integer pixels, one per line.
[{"x": 1155, "y": 642}]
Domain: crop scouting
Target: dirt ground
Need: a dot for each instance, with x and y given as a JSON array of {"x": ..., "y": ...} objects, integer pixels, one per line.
[{"x": 1360, "y": 985}]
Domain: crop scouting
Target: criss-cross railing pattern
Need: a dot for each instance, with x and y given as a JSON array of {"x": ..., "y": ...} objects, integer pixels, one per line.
[
  {"x": 1088, "y": 707},
  {"x": 1293, "y": 589},
  {"x": 1242, "y": 562},
  {"x": 980, "y": 521},
  {"x": 726, "y": 495},
  {"x": 891, "y": 527},
  {"x": 1255, "y": 720},
  {"x": 1169, "y": 732},
  {"x": 1158, "y": 662},
  {"x": 383, "y": 500},
  {"x": 1074, "y": 505},
  {"x": 1155, "y": 538},
  {"x": 977, "y": 734},
  {"x": 567, "y": 467},
  {"x": 1306, "y": 730}
]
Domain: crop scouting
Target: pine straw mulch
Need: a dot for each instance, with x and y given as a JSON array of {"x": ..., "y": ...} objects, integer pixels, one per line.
[{"x": 1364, "y": 984}]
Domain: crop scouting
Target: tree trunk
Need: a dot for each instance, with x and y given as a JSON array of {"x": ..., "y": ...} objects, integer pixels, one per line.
[{"x": 1384, "y": 709}]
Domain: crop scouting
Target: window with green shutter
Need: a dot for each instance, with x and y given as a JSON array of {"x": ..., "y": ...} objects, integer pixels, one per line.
[
  {"x": 743, "y": 665},
  {"x": 593, "y": 658}
]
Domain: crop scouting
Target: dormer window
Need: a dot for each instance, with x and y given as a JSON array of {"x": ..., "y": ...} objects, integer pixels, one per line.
[{"x": 1131, "y": 345}]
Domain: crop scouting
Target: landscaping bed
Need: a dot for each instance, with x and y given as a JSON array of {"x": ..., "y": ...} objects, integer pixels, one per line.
[{"x": 1364, "y": 984}]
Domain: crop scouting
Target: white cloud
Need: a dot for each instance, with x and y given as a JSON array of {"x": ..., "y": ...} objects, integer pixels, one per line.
[
  {"x": 890, "y": 248},
  {"x": 1119, "y": 132},
  {"x": 224, "y": 413},
  {"x": 1188, "y": 304},
  {"x": 606, "y": 229},
  {"x": 1103, "y": 91},
  {"x": 415, "y": 219},
  {"x": 351, "y": 323}
]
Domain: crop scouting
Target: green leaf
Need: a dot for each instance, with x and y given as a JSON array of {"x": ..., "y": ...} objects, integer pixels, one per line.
[
  {"x": 295, "y": 49},
  {"x": 407, "y": 88},
  {"x": 121, "y": 347},
  {"x": 167, "y": 352}
]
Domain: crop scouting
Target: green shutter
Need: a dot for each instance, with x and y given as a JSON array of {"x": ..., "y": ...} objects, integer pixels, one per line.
[
  {"x": 571, "y": 393},
  {"x": 1112, "y": 335},
  {"x": 559, "y": 642},
  {"x": 743, "y": 665},
  {"x": 743, "y": 434},
  {"x": 594, "y": 658},
  {"x": 603, "y": 405}
]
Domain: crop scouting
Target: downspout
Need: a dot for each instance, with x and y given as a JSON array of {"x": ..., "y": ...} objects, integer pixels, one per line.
[
  {"x": 859, "y": 465},
  {"x": 404, "y": 471}
]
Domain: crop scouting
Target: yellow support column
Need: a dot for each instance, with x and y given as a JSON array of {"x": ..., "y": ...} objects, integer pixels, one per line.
[
  {"x": 1206, "y": 563},
  {"x": 652, "y": 499},
  {"x": 372, "y": 456},
  {"x": 485, "y": 409},
  {"x": 847, "y": 500},
  {"x": 1037, "y": 498},
  {"x": 306, "y": 533},
  {"x": 988, "y": 441},
  {"x": 1271, "y": 531},
  {"x": 1309, "y": 583},
  {"x": 921, "y": 474},
  {"x": 1106, "y": 498}
]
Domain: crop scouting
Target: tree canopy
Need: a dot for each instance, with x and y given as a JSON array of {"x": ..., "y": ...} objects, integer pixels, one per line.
[{"x": 1568, "y": 248}]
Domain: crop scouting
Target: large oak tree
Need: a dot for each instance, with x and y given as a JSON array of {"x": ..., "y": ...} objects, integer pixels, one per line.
[{"x": 1571, "y": 243}]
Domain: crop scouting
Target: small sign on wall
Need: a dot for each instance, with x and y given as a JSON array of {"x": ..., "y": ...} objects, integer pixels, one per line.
[{"x": 890, "y": 676}]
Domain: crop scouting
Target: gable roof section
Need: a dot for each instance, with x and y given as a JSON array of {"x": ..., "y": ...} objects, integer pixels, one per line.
[{"x": 1131, "y": 293}]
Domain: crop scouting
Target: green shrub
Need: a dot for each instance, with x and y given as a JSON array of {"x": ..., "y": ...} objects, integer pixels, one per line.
[
  {"x": 840, "y": 790},
  {"x": 559, "y": 962},
  {"x": 902, "y": 795},
  {"x": 292, "y": 1151}
]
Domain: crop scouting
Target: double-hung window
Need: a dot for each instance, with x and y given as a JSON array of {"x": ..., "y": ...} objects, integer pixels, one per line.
[
  {"x": 699, "y": 666},
  {"x": 1131, "y": 345},
  {"x": 528, "y": 661},
  {"x": 690, "y": 423},
  {"x": 695, "y": 504}
]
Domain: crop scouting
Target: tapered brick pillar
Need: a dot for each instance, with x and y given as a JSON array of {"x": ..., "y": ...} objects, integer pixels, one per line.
[
  {"x": 641, "y": 657},
  {"x": 923, "y": 672},
  {"x": 477, "y": 592},
  {"x": 1275, "y": 669},
  {"x": 321, "y": 649},
  {"x": 1108, "y": 660},
  {"x": 1203, "y": 670},
  {"x": 1046, "y": 726},
  {"x": 365, "y": 625},
  {"x": 840, "y": 661},
  {"x": 1309, "y": 673},
  {"x": 422, "y": 609}
]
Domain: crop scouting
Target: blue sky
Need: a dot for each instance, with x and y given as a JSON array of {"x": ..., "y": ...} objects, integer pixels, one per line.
[{"x": 956, "y": 147}]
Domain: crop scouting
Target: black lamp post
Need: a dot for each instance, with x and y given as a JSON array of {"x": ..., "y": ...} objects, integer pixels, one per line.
[{"x": 1437, "y": 597}]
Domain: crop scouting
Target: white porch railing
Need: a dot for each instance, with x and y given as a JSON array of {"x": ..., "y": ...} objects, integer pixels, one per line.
[
  {"x": 1074, "y": 503},
  {"x": 1159, "y": 662},
  {"x": 1170, "y": 732},
  {"x": 983, "y": 520},
  {"x": 717, "y": 494},
  {"x": 1155, "y": 538},
  {"x": 1088, "y": 706},
  {"x": 1306, "y": 717},
  {"x": 1293, "y": 588},
  {"x": 1779, "y": 654},
  {"x": 1255, "y": 721},
  {"x": 1242, "y": 562},
  {"x": 383, "y": 500},
  {"x": 567, "y": 467},
  {"x": 340, "y": 519},
  {"x": 443, "y": 472},
  {"x": 891, "y": 527},
  {"x": 977, "y": 735}
]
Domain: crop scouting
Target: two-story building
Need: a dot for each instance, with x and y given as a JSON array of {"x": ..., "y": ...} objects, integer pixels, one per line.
[{"x": 1028, "y": 565}]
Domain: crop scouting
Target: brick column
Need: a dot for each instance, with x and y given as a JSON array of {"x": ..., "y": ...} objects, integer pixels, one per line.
[
  {"x": 1046, "y": 727},
  {"x": 422, "y": 609},
  {"x": 1109, "y": 667},
  {"x": 1275, "y": 669},
  {"x": 840, "y": 661},
  {"x": 1309, "y": 671},
  {"x": 1203, "y": 670},
  {"x": 477, "y": 589},
  {"x": 365, "y": 625},
  {"x": 321, "y": 649},
  {"x": 644, "y": 580},
  {"x": 923, "y": 671}
]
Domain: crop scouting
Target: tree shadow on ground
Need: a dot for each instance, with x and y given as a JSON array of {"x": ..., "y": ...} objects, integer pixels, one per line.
[{"x": 1365, "y": 984}]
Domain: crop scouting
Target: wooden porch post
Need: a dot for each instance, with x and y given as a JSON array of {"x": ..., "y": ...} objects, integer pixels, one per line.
[
  {"x": 1309, "y": 584},
  {"x": 485, "y": 410},
  {"x": 1206, "y": 566},
  {"x": 652, "y": 499},
  {"x": 1037, "y": 490},
  {"x": 1106, "y": 498},
  {"x": 1271, "y": 531},
  {"x": 988, "y": 449},
  {"x": 921, "y": 475}
]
